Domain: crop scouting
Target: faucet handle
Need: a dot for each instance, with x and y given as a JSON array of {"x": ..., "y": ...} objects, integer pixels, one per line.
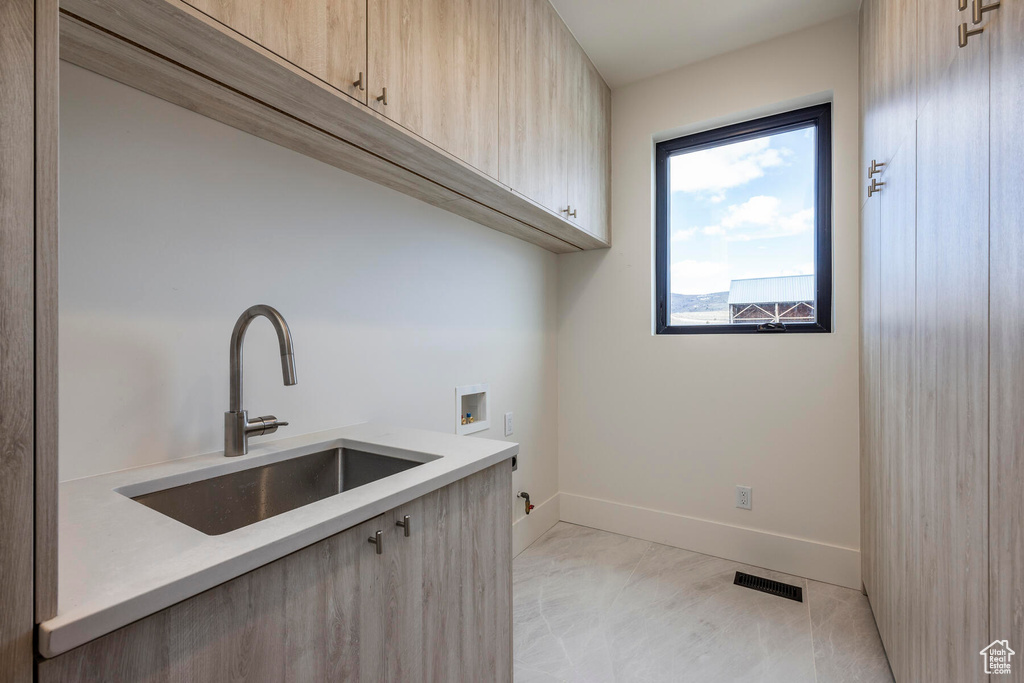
[{"x": 266, "y": 424}]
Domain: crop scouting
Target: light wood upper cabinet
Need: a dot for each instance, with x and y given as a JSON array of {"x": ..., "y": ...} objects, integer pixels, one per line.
[
  {"x": 589, "y": 153},
  {"x": 533, "y": 110},
  {"x": 327, "y": 38},
  {"x": 555, "y": 117},
  {"x": 492, "y": 110},
  {"x": 438, "y": 60}
]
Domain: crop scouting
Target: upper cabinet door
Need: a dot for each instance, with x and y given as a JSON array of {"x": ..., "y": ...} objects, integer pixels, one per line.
[
  {"x": 589, "y": 162},
  {"x": 327, "y": 38},
  {"x": 433, "y": 69},
  {"x": 533, "y": 113}
]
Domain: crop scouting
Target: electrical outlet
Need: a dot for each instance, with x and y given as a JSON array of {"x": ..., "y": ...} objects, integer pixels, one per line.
[
  {"x": 508, "y": 424},
  {"x": 744, "y": 497}
]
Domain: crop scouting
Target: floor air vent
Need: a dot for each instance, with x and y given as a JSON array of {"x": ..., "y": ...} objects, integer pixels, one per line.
[{"x": 783, "y": 590}]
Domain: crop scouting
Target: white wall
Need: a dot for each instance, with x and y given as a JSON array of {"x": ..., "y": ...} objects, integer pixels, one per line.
[
  {"x": 172, "y": 224},
  {"x": 655, "y": 432}
]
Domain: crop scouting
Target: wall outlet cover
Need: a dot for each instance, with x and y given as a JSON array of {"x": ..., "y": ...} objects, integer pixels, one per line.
[
  {"x": 508, "y": 424},
  {"x": 744, "y": 497}
]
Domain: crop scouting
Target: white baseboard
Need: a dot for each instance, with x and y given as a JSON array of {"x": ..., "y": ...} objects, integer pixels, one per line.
[
  {"x": 796, "y": 556},
  {"x": 529, "y": 528}
]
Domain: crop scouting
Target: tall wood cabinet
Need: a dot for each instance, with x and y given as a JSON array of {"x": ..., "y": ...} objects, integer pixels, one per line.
[
  {"x": 433, "y": 605},
  {"x": 942, "y": 380},
  {"x": 20, "y": 474},
  {"x": 1006, "y": 343},
  {"x": 952, "y": 350}
]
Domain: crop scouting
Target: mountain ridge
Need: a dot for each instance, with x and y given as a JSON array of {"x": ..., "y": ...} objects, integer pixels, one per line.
[{"x": 695, "y": 303}]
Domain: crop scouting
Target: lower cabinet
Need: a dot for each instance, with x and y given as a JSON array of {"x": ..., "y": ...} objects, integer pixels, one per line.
[{"x": 434, "y": 604}]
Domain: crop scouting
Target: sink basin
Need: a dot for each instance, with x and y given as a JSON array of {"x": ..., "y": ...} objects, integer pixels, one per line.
[{"x": 221, "y": 504}]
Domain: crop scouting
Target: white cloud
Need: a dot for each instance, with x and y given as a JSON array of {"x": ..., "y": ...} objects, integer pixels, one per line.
[
  {"x": 683, "y": 235},
  {"x": 799, "y": 269},
  {"x": 760, "y": 218},
  {"x": 700, "y": 277},
  {"x": 760, "y": 210},
  {"x": 720, "y": 168}
]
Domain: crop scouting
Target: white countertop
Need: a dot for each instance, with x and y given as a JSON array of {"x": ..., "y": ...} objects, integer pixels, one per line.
[{"x": 121, "y": 561}]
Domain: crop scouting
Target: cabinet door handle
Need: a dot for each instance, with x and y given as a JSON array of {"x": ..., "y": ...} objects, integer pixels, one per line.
[
  {"x": 378, "y": 540},
  {"x": 980, "y": 8},
  {"x": 405, "y": 523},
  {"x": 961, "y": 5},
  {"x": 573, "y": 213},
  {"x": 876, "y": 167},
  {"x": 383, "y": 97},
  {"x": 963, "y": 35},
  {"x": 360, "y": 83},
  {"x": 874, "y": 188}
]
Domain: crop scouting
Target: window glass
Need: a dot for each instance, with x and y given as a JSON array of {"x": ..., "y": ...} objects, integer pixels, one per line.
[
  {"x": 742, "y": 231},
  {"x": 743, "y": 227}
]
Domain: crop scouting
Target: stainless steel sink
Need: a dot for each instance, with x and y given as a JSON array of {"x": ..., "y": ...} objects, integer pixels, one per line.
[{"x": 222, "y": 504}]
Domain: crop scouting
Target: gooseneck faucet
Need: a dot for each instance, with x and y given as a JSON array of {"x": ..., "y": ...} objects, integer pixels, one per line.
[{"x": 237, "y": 425}]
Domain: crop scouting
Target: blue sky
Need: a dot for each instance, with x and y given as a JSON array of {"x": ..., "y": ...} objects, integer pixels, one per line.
[{"x": 742, "y": 210}]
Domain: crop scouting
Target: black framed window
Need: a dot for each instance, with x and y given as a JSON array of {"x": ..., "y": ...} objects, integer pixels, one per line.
[{"x": 743, "y": 236}]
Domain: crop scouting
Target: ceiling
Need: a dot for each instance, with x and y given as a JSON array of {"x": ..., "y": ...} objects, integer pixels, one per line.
[{"x": 629, "y": 40}]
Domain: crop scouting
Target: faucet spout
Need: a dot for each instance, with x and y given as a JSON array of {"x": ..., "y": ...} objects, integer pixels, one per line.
[
  {"x": 237, "y": 425},
  {"x": 284, "y": 340}
]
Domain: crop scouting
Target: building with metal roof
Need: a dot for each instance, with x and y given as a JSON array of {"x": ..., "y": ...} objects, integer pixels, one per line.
[{"x": 772, "y": 299}]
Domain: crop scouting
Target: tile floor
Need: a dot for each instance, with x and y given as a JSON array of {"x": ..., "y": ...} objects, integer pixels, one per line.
[{"x": 591, "y": 606}]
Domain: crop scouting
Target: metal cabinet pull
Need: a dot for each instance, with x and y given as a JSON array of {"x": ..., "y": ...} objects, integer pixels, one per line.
[
  {"x": 406, "y": 524},
  {"x": 963, "y": 35},
  {"x": 573, "y": 214},
  {"x": 378, "y": 540},
  {"x": 874, "y": 188},
  {"x": 980, "y": 8},
  {"x": 569, "y": 212},
  {"x": 876, "y": 167},
  {"x": 360, "y": 83},
  {"x": 962, "y": 5},
  {"x": 383, "y": 97}
]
